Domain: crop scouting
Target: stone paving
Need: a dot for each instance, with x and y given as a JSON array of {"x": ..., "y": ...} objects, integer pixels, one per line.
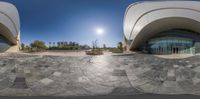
[{"x": 43, "y": 75}]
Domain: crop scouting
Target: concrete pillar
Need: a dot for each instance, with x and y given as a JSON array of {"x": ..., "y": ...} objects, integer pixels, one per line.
[
  {"x": 15, "y": 48},
  {"x": 18, "y": 41},
  {"x": 126, "y": 45}
]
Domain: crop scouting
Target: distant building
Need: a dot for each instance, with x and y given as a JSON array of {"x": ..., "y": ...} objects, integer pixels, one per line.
[
  {"x": 163, "y": 27},
  {"x": 9, "y": 28},
  {"x": 58, "y": 44},
  {"x": 61, "y": 44}
]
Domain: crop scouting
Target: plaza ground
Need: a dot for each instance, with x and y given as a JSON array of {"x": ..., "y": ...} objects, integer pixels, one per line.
[{"x": 57, "y": 74}]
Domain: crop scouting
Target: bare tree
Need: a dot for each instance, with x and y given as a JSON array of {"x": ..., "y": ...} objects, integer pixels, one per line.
[{"x": 95, "y": 44}]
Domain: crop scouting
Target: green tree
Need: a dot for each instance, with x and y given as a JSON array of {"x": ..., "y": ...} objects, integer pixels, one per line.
[
  {"x": 27, "y": 47},
  {"x": 39, "y": 45},
  {"x": 22, "y": 46},
  {"x": 120, "y": 46},
  {"x": 70, "y": 43}
]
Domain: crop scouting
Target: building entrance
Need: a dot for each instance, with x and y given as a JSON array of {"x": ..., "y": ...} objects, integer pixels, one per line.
[
  {"x": 175, "y": 50},
  {"x": 171, "y": 45}
]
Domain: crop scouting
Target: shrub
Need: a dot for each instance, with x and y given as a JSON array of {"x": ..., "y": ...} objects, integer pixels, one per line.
[
  {"x": 95, "y": 52},
  {"x": 116, "y": 50}
]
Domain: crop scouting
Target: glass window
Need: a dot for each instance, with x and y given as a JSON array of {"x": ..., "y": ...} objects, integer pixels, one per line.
[
  {"x": 4, "y": 45},
  {"x": 167, "y": 44}
]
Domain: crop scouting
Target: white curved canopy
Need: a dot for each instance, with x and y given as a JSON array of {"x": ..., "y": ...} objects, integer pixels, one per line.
[
  {"x": 144, "y": 19},
  {"x": 9, "y": 21}
]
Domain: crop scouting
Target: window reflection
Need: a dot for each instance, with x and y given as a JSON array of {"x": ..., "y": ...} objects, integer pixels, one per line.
[
  {"x": 171, "y": 45},
  {"x": 4, "y": 45}
]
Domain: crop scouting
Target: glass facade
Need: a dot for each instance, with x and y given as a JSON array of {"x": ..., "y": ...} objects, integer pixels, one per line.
[
  {"x": 171, "y": 45},
  {"x": 4, "y": 45},
  {"x": 173, "y": 42}
]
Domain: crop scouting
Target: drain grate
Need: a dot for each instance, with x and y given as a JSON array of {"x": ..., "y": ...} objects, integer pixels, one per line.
[
  {"x": 20, "y": 83},
  {"x": 117, "y": 72}
]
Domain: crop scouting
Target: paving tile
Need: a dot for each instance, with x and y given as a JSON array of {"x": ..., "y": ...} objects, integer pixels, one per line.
[
  {"x": 197, "y": 69},
  {"x": 3, "y": 70},
  {"x": 132, "y": 77},
  {"x": 196, "y": 80},
  {"x": 46, "y": 81},
  {"x": 104, "y": 75},
  {"x": 140, "y": 70},
  {"x": 57, "y": 74},
  {"x": 83, "y": 79},
  {"x": 27, "y": 71},
  {"x": 189, "y": 66},
  {"x": 187, "y": 86},
  {"x": 118, "y": 72},
  {"x": 140, "y": 81},
  {"x": 170, "y": 87},
  {"x": 176, "y": 66}
]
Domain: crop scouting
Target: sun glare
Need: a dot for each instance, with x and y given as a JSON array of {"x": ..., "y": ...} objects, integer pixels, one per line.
[{"x": 99, "y": 31}]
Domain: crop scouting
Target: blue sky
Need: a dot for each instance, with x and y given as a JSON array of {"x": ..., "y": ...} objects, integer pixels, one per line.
[{"x": 71, "y": 20}]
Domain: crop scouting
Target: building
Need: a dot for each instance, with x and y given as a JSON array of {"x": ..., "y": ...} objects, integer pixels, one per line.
[
  {"x": 9, "y": 28},
  {"x": 163, "y": 27}
]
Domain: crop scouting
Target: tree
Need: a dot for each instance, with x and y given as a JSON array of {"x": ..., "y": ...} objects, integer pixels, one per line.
[
  {"x": 84, "y": 47},
  {"x": 27, "y": 47},
  {"x": 94, "y": 44},
  {"x": 77, "y": 44},
  {"x": 73, "y": 43},
  {"x": 22, "y": 46},
  {"x": 66, "y": 43},
  {"x": 70, "y": 43},
  {"x": 120, "y": 46},
  {"x": 39, "y": 45}
]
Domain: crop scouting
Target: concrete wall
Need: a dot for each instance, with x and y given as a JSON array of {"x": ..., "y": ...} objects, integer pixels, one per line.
[
  {"x": 145, "y": 19},
  {"x": 10, "y": 24}
]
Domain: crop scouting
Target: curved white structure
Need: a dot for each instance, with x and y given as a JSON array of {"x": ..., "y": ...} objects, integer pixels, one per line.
[
  {"x": 9, "y": 24},
  {"x": 143, "y": 20}
]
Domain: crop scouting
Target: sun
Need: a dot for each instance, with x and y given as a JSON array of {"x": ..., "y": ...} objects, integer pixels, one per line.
[{"x": 99, "y": 31}]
